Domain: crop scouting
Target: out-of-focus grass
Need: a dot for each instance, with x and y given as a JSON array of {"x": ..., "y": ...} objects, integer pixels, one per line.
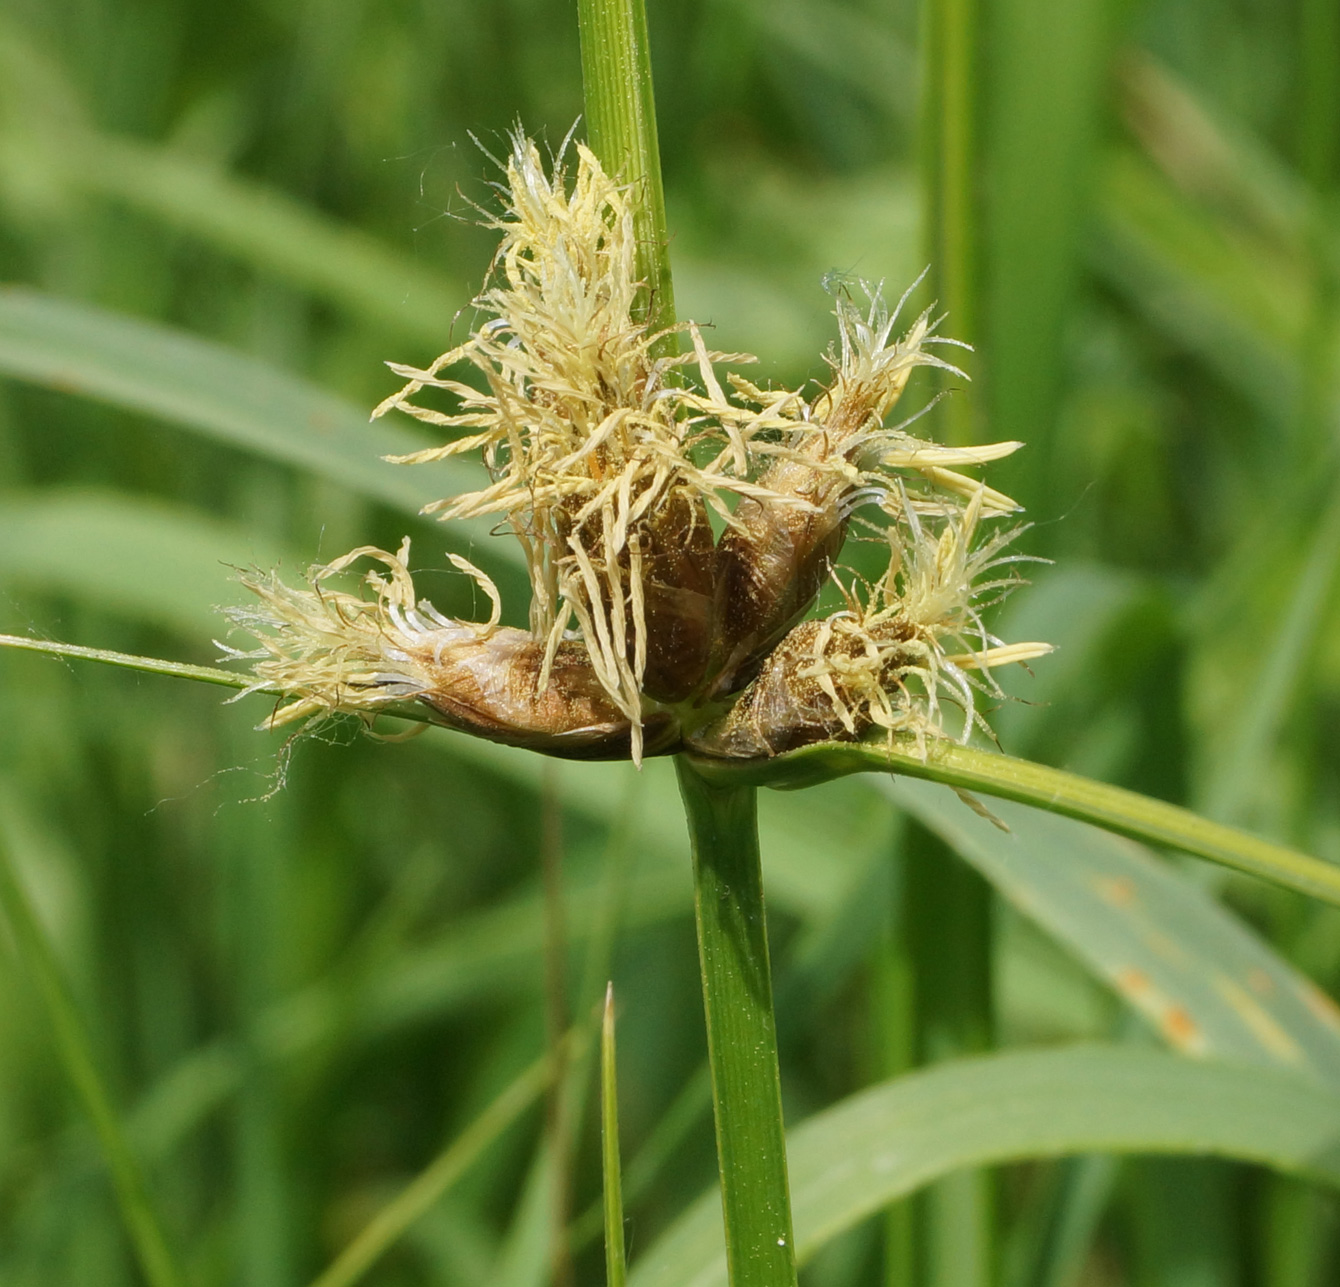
[{"x": 299, "y": 995}]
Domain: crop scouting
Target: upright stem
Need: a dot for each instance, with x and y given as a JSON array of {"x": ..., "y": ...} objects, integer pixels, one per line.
[
  {"x": 949, "y": 40},
  {"x": 741, "y": 1031},
  {"x": 947, "y": 921},
  {"x": 621, "y": 129},
  {"x": 557, "y": 1122}
]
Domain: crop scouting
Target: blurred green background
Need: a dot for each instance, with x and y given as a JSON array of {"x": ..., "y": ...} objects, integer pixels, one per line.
[{"x": 307, "y": 966}]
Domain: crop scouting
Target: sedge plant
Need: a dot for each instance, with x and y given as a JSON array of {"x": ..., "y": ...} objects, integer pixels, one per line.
[{"x": 678, "y": 524}]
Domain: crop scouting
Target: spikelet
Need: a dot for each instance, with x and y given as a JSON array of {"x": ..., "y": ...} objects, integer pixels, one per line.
[
  {"x": 836, "y": 456},
  {"x": 894, "y": 655},
  {"x": 604, "y": 463},
  {"x": 331, "y": 650}
]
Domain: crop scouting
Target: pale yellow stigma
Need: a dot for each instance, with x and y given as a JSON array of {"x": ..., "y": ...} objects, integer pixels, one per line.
[
  {"x": 590, "y": 437},
  {"x": 330, "y": 649}
]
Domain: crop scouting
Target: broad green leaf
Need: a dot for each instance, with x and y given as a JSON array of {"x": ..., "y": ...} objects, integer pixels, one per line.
[
  {"x": 232, "y": 398},
  {"x": 135, "y": 556},
  {"x": 1204, "y": 981},
  {"x": 884, "y": 1143}
]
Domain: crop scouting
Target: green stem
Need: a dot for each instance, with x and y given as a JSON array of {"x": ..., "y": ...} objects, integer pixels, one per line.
[
  {"x": 1112, "y": 808},
  {"x": 616, "y": 1265},
  {"x": 72, "y": 1042},
  {"x": 741, "y": 1030},
  {"x": 621, "y": 128},
  {"x": 948, "y": 139},
  {"x": 947, "y": 922}
]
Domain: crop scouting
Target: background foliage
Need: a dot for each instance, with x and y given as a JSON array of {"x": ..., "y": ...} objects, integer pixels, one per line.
[{"x": 298, "y": 994}]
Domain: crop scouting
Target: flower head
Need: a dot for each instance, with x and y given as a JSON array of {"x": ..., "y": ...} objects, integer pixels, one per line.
[
  {"x": 609, "y": 455},
  {"x": 836, "y": 456}
]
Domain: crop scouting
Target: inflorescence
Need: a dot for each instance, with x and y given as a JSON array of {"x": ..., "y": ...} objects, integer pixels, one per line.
[{"x": 647, "y": 631}]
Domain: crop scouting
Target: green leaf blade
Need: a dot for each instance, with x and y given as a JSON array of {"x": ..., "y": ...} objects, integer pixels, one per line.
[
  {"x": 228, "y": 397},
  {"x": 884, "y": 1143},
  {"x": 1206, "y": 983}
]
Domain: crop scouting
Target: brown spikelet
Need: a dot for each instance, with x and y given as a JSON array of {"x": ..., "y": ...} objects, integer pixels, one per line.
[
  {"x": 885, "y": 660},
  {"x": 331, "y": 650}
]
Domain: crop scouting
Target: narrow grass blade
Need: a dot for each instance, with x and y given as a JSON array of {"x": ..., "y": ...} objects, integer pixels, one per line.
[
  {"x": 523, "y": 1258},
  {"x": 127, "y": 661},
  {"x": 1191, "y": 277},
  {"x": 884, "y": 1143},
  {"x": 139, "y": 558},
  {"x": 229, "y": 397},
  {"x": 76, "y": 1056},
  {"x": 183, "y": 670},
  {"x": 621, "y": 126},
  {"x": 741, "y": 1030},
  {"x": 390, "y": 1223},
  {"x": 1201, "y": 978},
  {"x": 1084, "y": 1189},
  {"x": 685, "y": 1111},
  {"x": 616, "y": 1265},
  {"x": 288, "y": 239},
  {"x": 1109, "y": 807},
  {"x": 1268, "y": 701}
]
